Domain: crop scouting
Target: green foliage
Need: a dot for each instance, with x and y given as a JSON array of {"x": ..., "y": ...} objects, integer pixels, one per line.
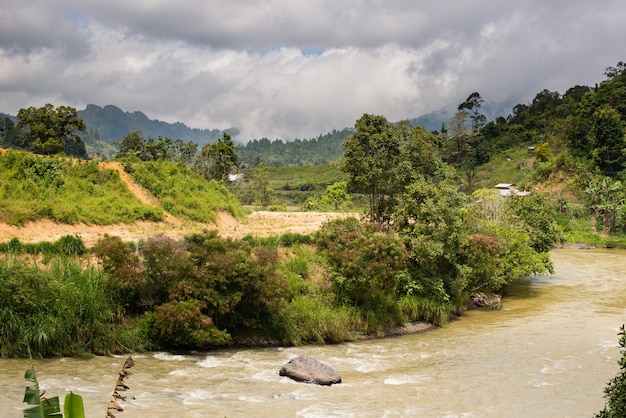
[
  {"x": 63, "y": 310},
  {"x": 365, "y": 262},
  {"x": 199, "y": 291},
  {"x": 417, "y": 308},
  {"x": 615, "y": 391},
  {"x": 73, "y": 406},
  {"x": 300, "y": 152},
  {"x": 42, "y": 407},
  {"x": 219, "y": 159},
  {"x": 311, "y": 319},
  {"x": 371, "y": 152},
  {"x": 543, "y": 152},
  {"x": 50, "y": 131},
  {"x": 286, "y": 240},
  {"x": 183, "y": 193},
  {"x": 68, "y": 245},
  {"x": 33, "y": 188},
  {"x": 605, "y": 199},
  {"x": 537, "y": 212},
  {"x": 183, "y": 324},
  {"x": 335, "y": 198}
]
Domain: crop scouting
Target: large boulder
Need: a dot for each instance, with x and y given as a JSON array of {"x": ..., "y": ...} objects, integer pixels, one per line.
[{"x": 309, "y": 370}]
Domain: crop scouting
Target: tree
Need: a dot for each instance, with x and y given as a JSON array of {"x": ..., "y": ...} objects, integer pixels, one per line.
[
  {"x": 261, "y": 185},
  {"x": 336, "y": 196},
  {"x": 608, "y": 131},
  {"x": 10, "y": 135},
  {"x": 459, "y": 138},
  {"x": 132, "y": 145},
  {"x": 472, "y": 105},
  {"x": 370, "y": 154},
  {"x": 606, "y": 199},
  {"x": 220, "y": 158},
  {"x": 50, "y": 130}
]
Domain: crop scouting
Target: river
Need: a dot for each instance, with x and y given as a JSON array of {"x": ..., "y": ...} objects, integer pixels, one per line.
[{"x": 548, "y": 353}]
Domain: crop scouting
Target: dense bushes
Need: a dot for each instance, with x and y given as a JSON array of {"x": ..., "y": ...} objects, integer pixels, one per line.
[{"x": 69, "y": 245}]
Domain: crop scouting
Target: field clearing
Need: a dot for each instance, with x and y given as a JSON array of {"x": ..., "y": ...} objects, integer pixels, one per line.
[{"x": 259, "y": 224}]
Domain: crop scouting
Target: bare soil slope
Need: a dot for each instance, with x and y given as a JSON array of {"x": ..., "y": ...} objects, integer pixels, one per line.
[{"x": 258, "y": 224}]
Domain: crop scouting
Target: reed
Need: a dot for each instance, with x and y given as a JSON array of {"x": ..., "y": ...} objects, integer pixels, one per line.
[
  {"x": 60, "y": 310},
  {"x": 425, "y": 309},
  {"x": 306, "y": 320}
]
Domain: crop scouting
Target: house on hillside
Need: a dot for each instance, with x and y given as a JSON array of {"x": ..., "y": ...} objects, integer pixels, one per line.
[
  {"x": 234, "y": 178},
  {"x": 509, "y": 189}
]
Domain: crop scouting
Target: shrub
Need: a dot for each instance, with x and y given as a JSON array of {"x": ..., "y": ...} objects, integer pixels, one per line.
[
  {"x": 365, "y": 261},
  {"x": 70, "y": 245},
  {"x": 615, "y": 391}
]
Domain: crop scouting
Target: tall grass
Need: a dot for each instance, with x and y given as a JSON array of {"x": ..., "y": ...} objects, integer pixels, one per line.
[
  {"x": 183, "y": 193},
  {"x": 310, "y": 320},
  {"x": 59, "y": 311},
  {"x": 424, "y": 309},
  {"x": 34, "y": 187}
]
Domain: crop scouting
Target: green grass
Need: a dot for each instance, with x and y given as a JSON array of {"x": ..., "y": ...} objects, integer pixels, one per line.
[
  {"x": 60, "y": 310},
  {"x": 313, "y": 177},
  {"x": 183, "y": 193},
  {"x": 511, "y": 166},
  {"x": 34, "y": 187}
]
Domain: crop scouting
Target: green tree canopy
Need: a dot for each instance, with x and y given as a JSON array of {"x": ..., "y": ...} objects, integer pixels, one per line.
[
  {"x": 219, "y": 158},
  {"x": 371, "y": 152},
  {"x": 50, "y": 131}
]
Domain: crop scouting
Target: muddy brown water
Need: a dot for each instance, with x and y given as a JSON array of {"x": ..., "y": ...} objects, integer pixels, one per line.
[{"x": 548, "y": 353}]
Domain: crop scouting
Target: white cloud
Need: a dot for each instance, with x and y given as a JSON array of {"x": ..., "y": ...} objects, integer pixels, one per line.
[{"x": 240, "y": 63}]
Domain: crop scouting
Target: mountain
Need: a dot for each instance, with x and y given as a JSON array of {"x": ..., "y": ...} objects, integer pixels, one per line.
[
  {"x": 433, "y": 121},
  {"x": 110, "y": 123}
]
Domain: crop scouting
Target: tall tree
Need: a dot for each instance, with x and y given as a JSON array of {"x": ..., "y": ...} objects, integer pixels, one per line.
[
  {"x": 50, "y": 130},
  {"x": 370, "y": 154},
  {"x": 220, "y": 158},
  {"x": 10, "y": 135},
  {"x": 472, "y": 106},
  {"x": 459, "y": 146},
  {"x": 610, "y": 140}
]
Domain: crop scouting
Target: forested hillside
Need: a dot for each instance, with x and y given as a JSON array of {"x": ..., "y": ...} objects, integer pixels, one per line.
[
  {"x": 314, "y": 151},
  {"x": 110, "y": 123}
]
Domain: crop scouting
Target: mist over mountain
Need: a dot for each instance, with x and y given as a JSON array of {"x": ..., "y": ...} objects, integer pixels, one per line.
[
  {"x": 434, "y": 120},
  {"x": 110, "y": 123}
]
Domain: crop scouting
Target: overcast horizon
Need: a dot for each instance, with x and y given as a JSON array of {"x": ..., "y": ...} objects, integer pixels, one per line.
[{"x": 296, "y": 69}]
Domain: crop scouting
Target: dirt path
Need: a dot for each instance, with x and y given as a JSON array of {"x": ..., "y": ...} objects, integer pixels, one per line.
[{"x": 259, "y": 224}]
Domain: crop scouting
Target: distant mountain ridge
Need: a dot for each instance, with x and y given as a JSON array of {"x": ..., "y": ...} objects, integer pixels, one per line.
[
  {"x": 434, "y": 120},
  {"x": 110, "y": 123}
]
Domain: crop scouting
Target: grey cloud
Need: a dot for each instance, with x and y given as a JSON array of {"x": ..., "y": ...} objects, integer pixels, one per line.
[{"x": 223, "y": 63}]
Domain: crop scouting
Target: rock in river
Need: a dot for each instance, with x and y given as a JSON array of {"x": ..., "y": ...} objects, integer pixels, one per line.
[{"x": 309, "y": 370}]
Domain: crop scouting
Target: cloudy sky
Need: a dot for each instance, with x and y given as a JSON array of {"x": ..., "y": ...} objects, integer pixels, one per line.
[{"x": 298, "y": 68}]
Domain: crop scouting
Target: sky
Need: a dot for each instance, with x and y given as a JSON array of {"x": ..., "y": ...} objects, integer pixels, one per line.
[{"x": 299, "y": 68}]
